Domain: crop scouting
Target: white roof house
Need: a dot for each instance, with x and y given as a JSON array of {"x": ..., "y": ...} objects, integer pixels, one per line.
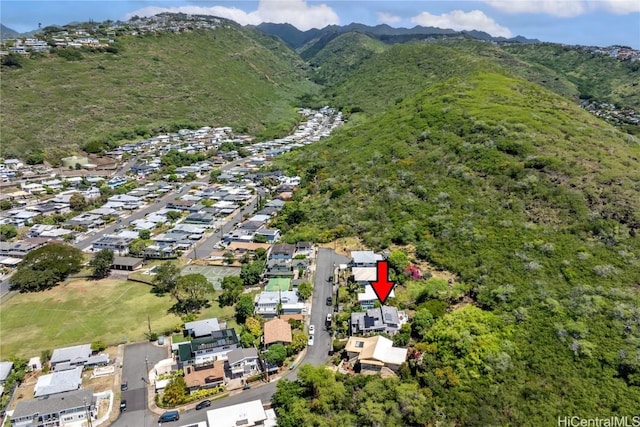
[
  {"x": 364, "y": 274},
  {"x": 67, "y": 356},
  {"x": 58, "y": 382},
  {"x": 245, "y": 414},
  {"x": 368, "y": 297},
  {"x": 365, "y": 258},
  {"x": 201, "y": 328}
]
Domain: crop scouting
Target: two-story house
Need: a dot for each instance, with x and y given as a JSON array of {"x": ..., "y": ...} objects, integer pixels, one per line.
[
  {"x": 279, "y": 261},
  {"x": 376, "y": 320},
  {"x": 242, "y": 362},
  {"x": 206, "y": 350}
]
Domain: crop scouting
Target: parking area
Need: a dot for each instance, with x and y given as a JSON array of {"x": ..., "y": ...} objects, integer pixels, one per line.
[{"x": 213, "y": 273}]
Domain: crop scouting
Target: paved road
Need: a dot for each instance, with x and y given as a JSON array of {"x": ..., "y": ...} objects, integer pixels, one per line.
[
  {"x": 203, "y": 249},
  {"x": 134, "y": 368},
  {"x": 326, "y": 262}
]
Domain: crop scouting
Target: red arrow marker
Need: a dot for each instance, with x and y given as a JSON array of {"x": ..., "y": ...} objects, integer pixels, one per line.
[{"x": 382, "y": 286}]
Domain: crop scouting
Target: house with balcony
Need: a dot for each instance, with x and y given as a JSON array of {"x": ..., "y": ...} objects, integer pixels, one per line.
[
  {"x": 243, "y": 362},
  {"x": 57, "y": 410},
  {"x": 206, "y": 350},
  {"x": 266, "y": 303},
  {"x": 280, "y": 260},
  {"x": 374, "y": 353}
]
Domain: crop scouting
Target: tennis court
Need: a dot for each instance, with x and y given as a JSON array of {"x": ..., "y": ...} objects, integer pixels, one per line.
[{"x": 213, "y": 273}]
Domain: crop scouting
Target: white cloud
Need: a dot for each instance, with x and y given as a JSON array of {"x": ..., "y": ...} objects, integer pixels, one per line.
[
  {"x": 619, "y": 7},
  {"x": 565, "y": 8},
  {"x": 459, "y": 20},
  {"x": 295, "y": 12},
  {"x": 387, "y": 18}
]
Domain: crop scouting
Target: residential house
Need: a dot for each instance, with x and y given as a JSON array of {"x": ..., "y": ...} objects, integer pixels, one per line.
[
  {"x": 374, "y": 353},
  {"x": 118, "y": 244},
  {"x": 266, "y": 303},
  {"x": 85, "y": 220},
  {"x": 5, "y": 370},
  {"x": 279, "y": 261},
  {"x": 125, "y": 263},
  {"x": 385, "y": 319},
  {"x": 239, "y": 249},
  {"x": 271, "y": 234},
  {"x": 205, "y": 376},
  {"x": 70, "y": 357},
  {"x": 243, "y": 362},
  {"x": 202, "y": 328},
  {"x": 206, "y": 350},
  {"x": 277, "y": 331},
  {"x": 245, "y": 414},
  {"x": 56, "y": 410},
  {"x": 58, "y": 382},
  {"x": 22, "y": 248},
  {"x": 364, "y": 259},
  {"x": 368, "y": 298}
]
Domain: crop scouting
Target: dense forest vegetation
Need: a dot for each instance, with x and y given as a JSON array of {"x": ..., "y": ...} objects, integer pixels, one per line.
[{"x": 531, "y": 201}]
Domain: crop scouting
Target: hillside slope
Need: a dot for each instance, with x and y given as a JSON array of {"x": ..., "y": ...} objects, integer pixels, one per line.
[
  {"x": 227, "y": 76},
  {"x": 596, "y": 76},
  {"x": 382, "y": 77},
  {"x": 534, "y": 203}
]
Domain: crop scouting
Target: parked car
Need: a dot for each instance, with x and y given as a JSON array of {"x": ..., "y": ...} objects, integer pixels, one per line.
[
  {"x": 312, "y": 329},
  {"x": 169, "y": 416},
  {"x": 328, "y": 319},
  {"x": 310, "y": 342},
  {"x": 330, "y": 279},
  {"x": 124, "y": 386},
  {"x": 123, "y": 405},
  {"x": 203, "y": 404},
  {"x": 329, "y": 301},
  {"x": 246, "y": 387}
]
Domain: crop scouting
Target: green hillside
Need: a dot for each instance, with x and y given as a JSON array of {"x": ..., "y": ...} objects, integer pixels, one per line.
[
  {"x": 227, "y": 76},
  {"x": 336, "y": 59},
  {"x": 379, "y": 79},
  {"x": 595, "y": 76},
  {"x": 534, "y": 203}
]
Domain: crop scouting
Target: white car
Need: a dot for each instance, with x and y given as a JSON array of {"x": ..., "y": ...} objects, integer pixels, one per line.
[
  {"x": 312, "y": 329},
  {"x": 310, "y": 342}
]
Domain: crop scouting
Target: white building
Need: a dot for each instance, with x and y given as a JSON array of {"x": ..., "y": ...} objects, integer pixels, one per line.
[{"x": 243, "y": 414}]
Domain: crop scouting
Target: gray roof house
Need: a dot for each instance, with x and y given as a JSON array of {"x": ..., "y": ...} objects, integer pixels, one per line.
[
  {"x": 5, "y": 370},
  {"x": 243, "y": 361},
  {"x": 375, "y": 320},
  {"x": 69, "y": 407},
  {"x": 201, "y": 328},
  {"x": 58, "y": 382},
  {"x": 364, "y": 258},
  {"x": 69, "y": 357}
]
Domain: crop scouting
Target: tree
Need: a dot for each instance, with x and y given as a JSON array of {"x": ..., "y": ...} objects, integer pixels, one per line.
[
  {"x": 305, "y": 290},
  {"x": 401, "y": 338},
  {"x": 231, "y": 291},
  {"x": 276, "y": 354},
  {"x": 98, "y": 346},
  {"x": 137, "y": 247},
  {"x": 190, "y": 292},
  {"x": 244, "y": 308},
  {"x": 299, "y": 341},
  {"x": 166, "y": 279},
  {"x": 175, "y": 391},
  {"x": 228, "y": 257},
  {"x": 173, "y": 215},
  {"x": 46, "y": 266},
  {"x": 101, "y": 263},
  {"x": 5, "y": 205},
  {"x": 253, "y": 326},
  {"x": 7, "y": 231},
  {"x": 421, "y": 323},
  {"x": 250, "y": 273},
  {"x": 144, "y": 234},
  {"x": 77, "y": 202},
  {"x": 260, "y": 238}
]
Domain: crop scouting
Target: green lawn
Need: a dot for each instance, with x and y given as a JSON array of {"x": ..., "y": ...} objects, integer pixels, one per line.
[{"x": 84, "y": 311}]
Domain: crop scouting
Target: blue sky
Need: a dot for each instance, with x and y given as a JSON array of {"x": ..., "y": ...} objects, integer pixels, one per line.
[{"x": 587, "y": 22}]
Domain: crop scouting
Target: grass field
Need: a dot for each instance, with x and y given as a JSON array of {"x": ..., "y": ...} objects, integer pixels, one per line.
[
  {"x": 213, "y": 273},
  {"x": 80, "y": 312}
]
